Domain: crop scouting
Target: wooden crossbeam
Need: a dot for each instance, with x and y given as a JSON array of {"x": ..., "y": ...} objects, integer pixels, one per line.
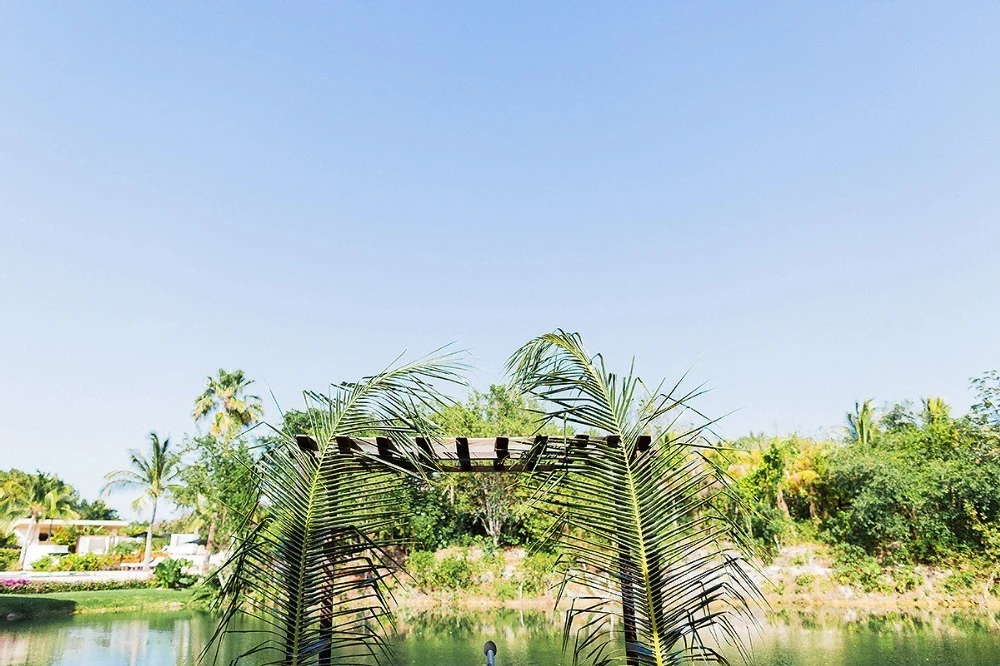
[
  {"x": 306, "y": 443},
  {"x": 536, "y": 451},
  {"x": 501, "y": 450},
  {"x": 474, "y": 454},
  {"x": 346, "y": 445},
  {"x": 462, "y": 449}
]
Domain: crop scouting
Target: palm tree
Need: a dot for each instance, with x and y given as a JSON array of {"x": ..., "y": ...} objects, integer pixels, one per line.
[
  {"x": 636, "y": 511},
  {"x": 311, "y": 563},
  {"x": 36, "y": 496},
  {"x": 936, "y": 410},
  {"x": 862, "y": 425},
  {"x": 226, "y": 400},
  {"x": 156, "y": 473},
  {"x": 231, "y": 409}
]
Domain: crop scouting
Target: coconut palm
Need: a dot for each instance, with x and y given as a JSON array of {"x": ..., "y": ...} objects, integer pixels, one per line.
[
  {"x": 862, "y": 425},
  {"x": 226, "y": 401},
  {"x": 36, "y": 496},
  {"x": 309, "y": 562},
  {"x": 936, "y": 410},
  {"x": 156, "y": 473},
  {"x": 636, "y": 515}
]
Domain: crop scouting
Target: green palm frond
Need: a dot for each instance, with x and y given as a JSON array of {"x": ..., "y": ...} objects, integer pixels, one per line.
[
  {"x": 636, "y": 517},
  {"x": 309, "y": 564}
]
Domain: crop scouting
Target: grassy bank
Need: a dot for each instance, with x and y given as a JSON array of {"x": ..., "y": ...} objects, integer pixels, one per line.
[{"x": 103, "y": 601}]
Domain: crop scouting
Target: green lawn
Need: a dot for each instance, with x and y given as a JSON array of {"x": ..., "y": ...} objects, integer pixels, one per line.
[{"x": 103, "y": 601}]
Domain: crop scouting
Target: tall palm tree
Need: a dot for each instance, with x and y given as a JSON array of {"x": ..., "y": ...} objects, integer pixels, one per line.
[
  {"x": 156, "y": 473},
  {"x": 636, "y": 514},
  {"x": 231, "y": 409},
  {"x": 310, "y": 563},
  {"x": 226, "y": 401},
  {"x": 36, "y": 496}
]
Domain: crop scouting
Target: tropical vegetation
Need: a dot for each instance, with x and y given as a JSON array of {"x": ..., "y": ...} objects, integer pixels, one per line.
[
  {"x": 314, "y": 534},
  {"x": 155, "y": 473}
]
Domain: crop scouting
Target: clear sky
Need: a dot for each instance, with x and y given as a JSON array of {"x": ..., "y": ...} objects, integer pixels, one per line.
[{"x": 800, "y": 202}]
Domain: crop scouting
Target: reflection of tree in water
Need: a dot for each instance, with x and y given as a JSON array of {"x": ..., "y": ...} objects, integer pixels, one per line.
[
  {"x": 32, "y": 643},
  {"x": 522, "y": 623}
]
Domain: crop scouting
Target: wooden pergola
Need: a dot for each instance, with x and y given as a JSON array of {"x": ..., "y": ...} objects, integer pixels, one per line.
[
  {"x": 525, "y": 455},
  {"x": 540, "y": 453}
]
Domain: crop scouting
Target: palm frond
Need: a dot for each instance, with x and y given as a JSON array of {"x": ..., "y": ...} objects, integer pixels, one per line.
[
  {"x": 636, "y": 517},
  {"x": 308, "y": 563}
]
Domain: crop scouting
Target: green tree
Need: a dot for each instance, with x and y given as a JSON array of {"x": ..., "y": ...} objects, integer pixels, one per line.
[
  {"x": 494, "y": 501},
  {"x": 862, "y": 425},
  {"x": 155, "y": 473},
  {"x": 226, "y": 402},
  {"x": 986, "y": 410},
  {"x": 96, "y": 510},
  {"x": 311, "y": 564},
  {"x": 36, "y": 496},
  {"x": 633, "y": 508},
  {"x": 222, "y": 456}
]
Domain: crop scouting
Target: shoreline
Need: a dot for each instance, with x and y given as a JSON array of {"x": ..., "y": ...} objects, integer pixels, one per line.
[{"x": 14, "y": 607}]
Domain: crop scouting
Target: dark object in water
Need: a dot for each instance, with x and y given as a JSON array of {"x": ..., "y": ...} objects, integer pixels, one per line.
[{"x": 490, "y": 650}]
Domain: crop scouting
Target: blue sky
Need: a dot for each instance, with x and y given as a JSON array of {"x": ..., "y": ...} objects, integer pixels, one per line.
[{"x": 798, "y": 203}]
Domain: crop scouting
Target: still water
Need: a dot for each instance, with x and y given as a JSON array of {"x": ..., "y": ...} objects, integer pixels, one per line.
[{"x": 524, "y": 639}]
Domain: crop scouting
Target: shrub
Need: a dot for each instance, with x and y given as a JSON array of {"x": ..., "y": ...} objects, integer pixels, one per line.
[
  {"x": 74, "y": 562},
  {"x": 127, "y": 549},
  {"x": 65, "y": 536},
  {"x": 853, "y": 566},
  {"x": 420, "y": 565},
  {"x": 25, "y": 586},
  {"x": 505, "y": 589},
  {"x": 9, "y": 558},
  {"x": 906, "y": 579},
  {"x": 960, "y": 581},
  {"x": 804, "y": 580},
  {"x": 44, "y": 563},
  {"x": 171, "y": 574},
  {"x": 537, "y": 570},
  {"x": 452, "y": 572}
]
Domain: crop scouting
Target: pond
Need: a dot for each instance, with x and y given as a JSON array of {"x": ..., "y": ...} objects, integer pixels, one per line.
[{"x": 524, "y": 638}]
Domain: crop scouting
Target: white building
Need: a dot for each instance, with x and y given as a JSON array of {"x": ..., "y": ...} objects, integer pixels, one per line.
[{"x": 106, "y": 537}]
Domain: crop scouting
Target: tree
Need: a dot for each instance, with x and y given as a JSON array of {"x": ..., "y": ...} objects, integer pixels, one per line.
[
  {"x": 156, "y": 473},
  {"x": 493, "y": 500},
  {"x": 96, "y": 510},
  {"x": 862, "y": 426},
  {"x": 36, "y": 496},
  {"x": 226, "y": 401},
  {"x": 986, "y": 410},
  {"x": 310, "y": 561},
  {"x": 221, "y": 456},
  {"x": 633, "y": 509}
]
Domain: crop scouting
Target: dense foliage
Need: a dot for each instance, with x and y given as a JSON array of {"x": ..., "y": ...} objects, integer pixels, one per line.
[{"x": 905, "y": 486}]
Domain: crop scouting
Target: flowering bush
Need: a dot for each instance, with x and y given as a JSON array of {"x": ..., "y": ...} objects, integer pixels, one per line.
[
  {"x": 14, "y": 585},
  {"x": 26, "y": 586}
]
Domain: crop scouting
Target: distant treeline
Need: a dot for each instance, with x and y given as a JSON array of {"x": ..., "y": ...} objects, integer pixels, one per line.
[{"x": 905, "y": 484}]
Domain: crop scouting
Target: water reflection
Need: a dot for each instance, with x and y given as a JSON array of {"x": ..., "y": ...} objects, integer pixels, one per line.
[{"x": 526, "y": 638}]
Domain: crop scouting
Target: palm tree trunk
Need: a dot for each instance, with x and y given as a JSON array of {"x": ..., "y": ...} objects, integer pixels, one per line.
[
  {"x": 149, "y": 538},
  {"x": 210, "y": 544},
  {"x": 29, "y": 539}
]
